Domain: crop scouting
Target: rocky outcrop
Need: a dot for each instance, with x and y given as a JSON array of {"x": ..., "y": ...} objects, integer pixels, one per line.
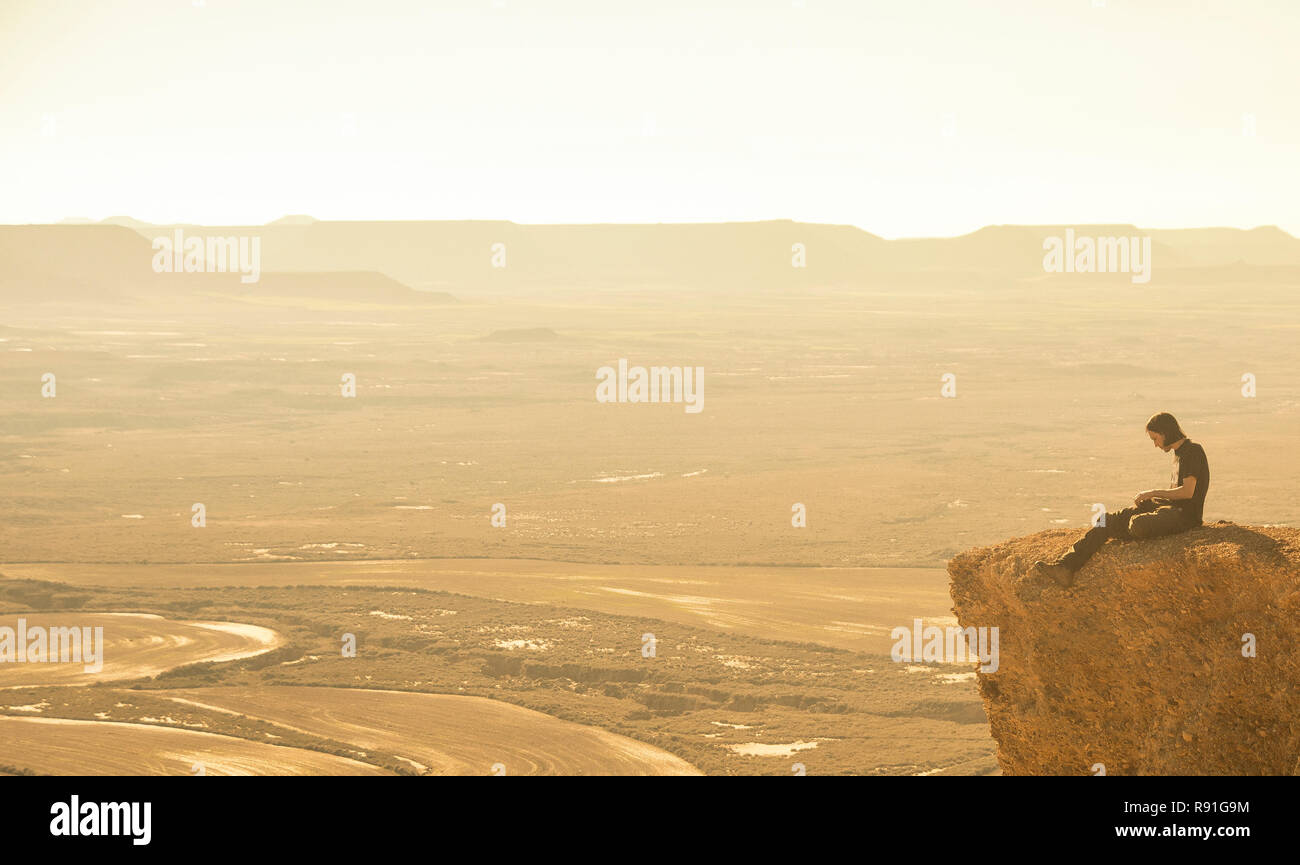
[{"x": 1172, "y": 656}]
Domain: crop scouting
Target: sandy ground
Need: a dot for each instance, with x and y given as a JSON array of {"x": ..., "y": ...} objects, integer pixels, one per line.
[
  {"x": 54, "y": 746},
  {"x": 135, "y": 645},
  {"x": 828, "y": 398},
  {"x": 445, "y": 734},
  {"x": 848, "y": 608}
]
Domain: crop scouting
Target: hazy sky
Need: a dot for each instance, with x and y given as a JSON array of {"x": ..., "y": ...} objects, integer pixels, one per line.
[{"x": 907, "y": 117}]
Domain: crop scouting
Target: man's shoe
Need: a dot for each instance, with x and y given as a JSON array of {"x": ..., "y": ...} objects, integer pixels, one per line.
[{"x": 1063, "y": 576}]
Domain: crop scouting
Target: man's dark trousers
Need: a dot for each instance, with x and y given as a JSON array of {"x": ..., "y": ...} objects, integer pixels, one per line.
[{"x": 1151, "y": 519}]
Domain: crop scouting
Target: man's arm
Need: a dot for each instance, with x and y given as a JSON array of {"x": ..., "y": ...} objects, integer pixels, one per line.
[{"x": 1185, "y": 491}]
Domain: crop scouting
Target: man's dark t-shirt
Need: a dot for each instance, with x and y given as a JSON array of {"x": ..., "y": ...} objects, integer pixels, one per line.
[{"x": 1190, "y": 461}]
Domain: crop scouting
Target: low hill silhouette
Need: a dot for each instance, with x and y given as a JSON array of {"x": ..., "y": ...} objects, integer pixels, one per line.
[
  {"x": 736, "y": 258},
  {"x": 522, "y": 334},
  {"x": 101, "y": 262}
]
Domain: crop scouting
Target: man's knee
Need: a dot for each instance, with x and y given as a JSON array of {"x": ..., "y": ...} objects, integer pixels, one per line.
[
  {"x": 1162, "y": 521},
  {"x": 1114, "y": 519},
  {"x": 1115, "y": 523}
]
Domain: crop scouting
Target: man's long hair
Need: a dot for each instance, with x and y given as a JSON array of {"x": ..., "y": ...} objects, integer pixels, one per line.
[{"x": 1165, "y": 424}]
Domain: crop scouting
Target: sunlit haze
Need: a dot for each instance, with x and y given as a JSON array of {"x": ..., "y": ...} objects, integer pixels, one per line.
[{"x": 904, "y": 118}]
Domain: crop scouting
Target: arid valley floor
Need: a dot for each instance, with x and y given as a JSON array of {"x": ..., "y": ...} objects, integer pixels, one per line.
[{"x": 519, "y": 648}]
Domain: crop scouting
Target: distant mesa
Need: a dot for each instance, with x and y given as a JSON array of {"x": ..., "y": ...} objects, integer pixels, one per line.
[
  {"x": 100, "y": 260},
  {"x": 522, "y": 334},
  {"x": 125, "y": 221},
  {"x": 114, "y": 263},
  {"x": 363, "y": 286}
]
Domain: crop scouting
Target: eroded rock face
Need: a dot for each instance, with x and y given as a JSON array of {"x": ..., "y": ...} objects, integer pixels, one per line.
[{"x": 1140, "y": 665}]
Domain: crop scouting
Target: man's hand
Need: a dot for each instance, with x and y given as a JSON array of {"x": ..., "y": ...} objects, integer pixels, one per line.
[{"x": 1185, "y": 491}]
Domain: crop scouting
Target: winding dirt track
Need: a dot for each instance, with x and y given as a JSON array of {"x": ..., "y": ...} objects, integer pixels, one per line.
[
  {"x": 136, "y": 645},
  {"x": 434, "y": 734},
  {"x": 445, "y": 734},
  {"x": 54, "y": 746}
]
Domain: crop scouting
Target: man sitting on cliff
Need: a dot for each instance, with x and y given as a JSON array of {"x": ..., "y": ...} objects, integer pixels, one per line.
[{"x": 1154, "y": 512}]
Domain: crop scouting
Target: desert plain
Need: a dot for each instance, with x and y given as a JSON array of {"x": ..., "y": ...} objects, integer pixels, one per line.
[{"x": 536, "y": 582}]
